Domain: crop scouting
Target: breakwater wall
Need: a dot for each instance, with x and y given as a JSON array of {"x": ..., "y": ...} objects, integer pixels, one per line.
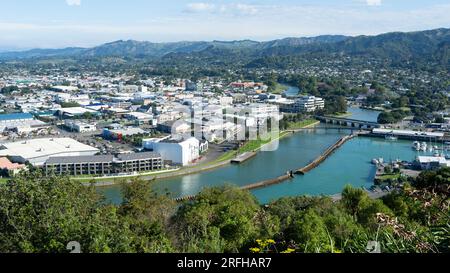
[
  {"x": 314, "y": 164},
  {"x": 262, "y": 184}
]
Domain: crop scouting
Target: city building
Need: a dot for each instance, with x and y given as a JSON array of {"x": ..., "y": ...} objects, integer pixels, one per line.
[
  {"x": 80, "y": 127},
  {"x": 177, "y": 151},
  {"x": 10, "y": 168},
  {"x": 20, "y": 123},
  {"x": 431, "y": 162},
  {"x": 37, "y": 151},
  {"x": 103, "y": 165},
  {"x": 75, "y": 112},
  {"x": 306, "y": 104},
  {"x": 120, "y": 133},
  {"x": 141, "y": 118},
  {"x": 174, "y": 127}
]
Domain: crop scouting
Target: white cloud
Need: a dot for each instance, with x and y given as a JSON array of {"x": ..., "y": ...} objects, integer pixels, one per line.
[
  {"x": 230, "y": 9},
  {"x": 373, "y": 2},
  {"x": 244, "y": 9},
  {"x": 73, "y": 2},
  {"x": 199, "y": 7}
]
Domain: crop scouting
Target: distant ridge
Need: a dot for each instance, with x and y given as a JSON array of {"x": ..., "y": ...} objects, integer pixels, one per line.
[{"x": 399, "y": 45}]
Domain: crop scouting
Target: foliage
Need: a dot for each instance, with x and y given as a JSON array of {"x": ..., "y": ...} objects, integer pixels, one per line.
[{"x": 40, "y": 214}]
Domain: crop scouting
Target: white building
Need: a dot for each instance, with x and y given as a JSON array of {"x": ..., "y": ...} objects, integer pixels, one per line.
[
  {"x": 141, "y": 118},
  {"x": 37, "y": 151},
  {"x": 431, "y": 162},
  {"x": 182, "y": 152},
  {"x": 80, "y": 127},
  {"x": 309, "y": 104}
]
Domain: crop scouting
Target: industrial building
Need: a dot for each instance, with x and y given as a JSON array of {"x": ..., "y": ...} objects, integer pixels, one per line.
[
  {"x": 103, "y": 165},
  {"x": 120, "y": 133},
  {"x": 177, "y": 151},
  {"x": 431, "y": 162},
  {"x": 38, "y": 151},
  {"x": 80, "y": 127},
  {"x": 75, "y": 112},
  {"x": 20, "y": 123},
  {"x": 408, "y": 134}
]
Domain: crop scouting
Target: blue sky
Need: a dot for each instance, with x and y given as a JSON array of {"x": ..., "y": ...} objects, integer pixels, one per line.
[{"x": 61, "y": 23}]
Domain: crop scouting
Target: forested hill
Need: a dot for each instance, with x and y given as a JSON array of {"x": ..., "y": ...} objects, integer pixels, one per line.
[{"x": 423, "y": 46}]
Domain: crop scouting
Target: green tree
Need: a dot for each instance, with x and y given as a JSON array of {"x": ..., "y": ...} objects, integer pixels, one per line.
[
  {"x": 43, "y": 214},
  {"x": 228, "y": 210}
]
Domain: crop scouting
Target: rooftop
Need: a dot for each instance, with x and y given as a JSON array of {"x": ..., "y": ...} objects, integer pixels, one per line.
[
  {"x": 15, "y": 116},
  {"x": 80, "y": 159},
  {"x": 34, "y": 148}
]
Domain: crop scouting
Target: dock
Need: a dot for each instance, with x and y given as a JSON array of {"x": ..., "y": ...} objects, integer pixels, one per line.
[
  {"x": 243, "y": 157},
  {"x": 270, "y": 182},
  {"x": 314, "y": 164}
]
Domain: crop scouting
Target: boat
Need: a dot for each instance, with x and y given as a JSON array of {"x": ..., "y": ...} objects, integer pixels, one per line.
[
  {"x": 423, "y": 146},
  {"x": 391, "y": 137},
  {"x": 416, "y": 145},
  {"x": 375, "y": 161}
]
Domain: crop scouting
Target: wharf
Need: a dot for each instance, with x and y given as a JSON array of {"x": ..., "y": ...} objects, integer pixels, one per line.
[
  {"x": 314, "y": 164},
  {"x": 243, "y": 157}
]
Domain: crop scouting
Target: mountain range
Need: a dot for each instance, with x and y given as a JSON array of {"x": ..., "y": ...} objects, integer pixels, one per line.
[{"x": 400, "y": 45}]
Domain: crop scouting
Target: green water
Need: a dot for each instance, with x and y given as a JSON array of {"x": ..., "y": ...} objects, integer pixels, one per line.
[{"x": 351, "y": 164}]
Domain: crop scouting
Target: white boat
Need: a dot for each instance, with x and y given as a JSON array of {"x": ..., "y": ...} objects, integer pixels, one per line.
[
  {"x": 375, "y": 161},
  {"x": 423, "y": 146},
  {"x": 391, "y": 137},
  {"x": 416, "y": 145}
]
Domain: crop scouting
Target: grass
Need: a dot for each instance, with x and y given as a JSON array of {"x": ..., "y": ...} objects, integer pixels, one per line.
[
  {"x": 342, "y": 115},
  {"x": 389, "y": 177},
  {"x": 301, "y": 124}
]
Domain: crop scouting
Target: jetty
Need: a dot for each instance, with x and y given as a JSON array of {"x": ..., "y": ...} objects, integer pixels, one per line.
[
  {"x": 243, "y": 157},
  {"x": 314, "y": 164},
  {"x": 270, "y": 182}
]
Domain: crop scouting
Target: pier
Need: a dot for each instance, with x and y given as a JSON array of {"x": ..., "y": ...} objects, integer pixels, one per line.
[
  {"x": 243, "y": 157},
  {"x": 325, "y": 155}
]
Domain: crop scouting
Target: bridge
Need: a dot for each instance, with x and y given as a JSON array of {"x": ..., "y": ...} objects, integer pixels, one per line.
[{"x": 360, "y": 124}]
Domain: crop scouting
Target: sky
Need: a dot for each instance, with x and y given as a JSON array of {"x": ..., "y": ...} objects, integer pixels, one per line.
[{"x": 28, "y": 24}]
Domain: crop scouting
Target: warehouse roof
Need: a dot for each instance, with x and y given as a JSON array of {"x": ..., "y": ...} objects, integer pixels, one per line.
[
  {"x": 16, "y": 116},
  {"x": 34, "y": 148}
]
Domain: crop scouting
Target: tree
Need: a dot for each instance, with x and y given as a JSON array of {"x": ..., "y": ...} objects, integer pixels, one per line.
[
  {"x": 309, "y": 230},
  {"x": 43, "y": 214},
  {"x": 354, "y": 200},
  {"x": 228, "y": 210},
  {"x": 147, "y": 214}
]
